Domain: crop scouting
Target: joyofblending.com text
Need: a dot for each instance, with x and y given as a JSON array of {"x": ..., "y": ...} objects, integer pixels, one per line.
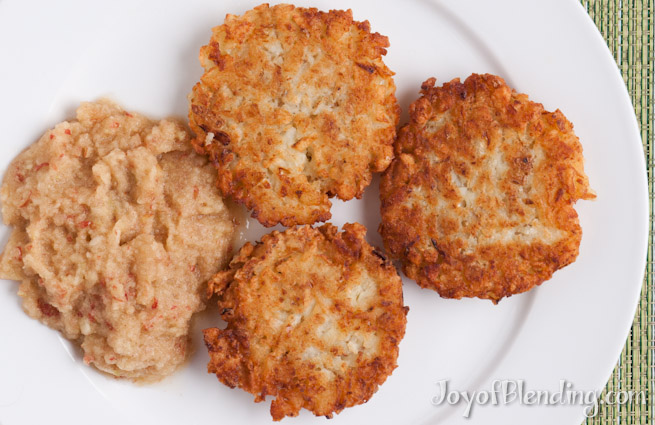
[{"x": 508, "y": 392}]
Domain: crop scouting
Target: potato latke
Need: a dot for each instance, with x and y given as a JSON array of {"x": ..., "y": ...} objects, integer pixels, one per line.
[
  {"x": 295, "y": 106},
  {"x": 314, "y": 318},
  {"x": 479, "y": 199}
]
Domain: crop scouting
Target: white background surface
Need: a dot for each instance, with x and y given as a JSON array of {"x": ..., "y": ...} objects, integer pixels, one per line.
[{"x": 56, "y": 54}]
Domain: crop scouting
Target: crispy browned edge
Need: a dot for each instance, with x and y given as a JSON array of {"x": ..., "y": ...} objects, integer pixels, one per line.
[
  {"x": 229, "y": 348},
  {"x": 513, "y": 268}
]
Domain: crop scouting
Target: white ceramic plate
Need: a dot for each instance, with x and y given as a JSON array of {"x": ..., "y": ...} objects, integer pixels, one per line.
[{"x": 144, "y": 55}]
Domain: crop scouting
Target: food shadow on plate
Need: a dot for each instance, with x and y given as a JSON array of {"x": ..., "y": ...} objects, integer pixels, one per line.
[
  {"x": 473, "y": 37},
  {"x": 208, "y": 318},
  {"x": 9, "y": 287}
]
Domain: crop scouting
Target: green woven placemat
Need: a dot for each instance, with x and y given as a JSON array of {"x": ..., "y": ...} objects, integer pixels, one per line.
[{"x": 628, "y": 28}]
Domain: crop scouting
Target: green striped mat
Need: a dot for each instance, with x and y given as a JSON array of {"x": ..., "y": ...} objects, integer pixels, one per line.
[{"x": 628, "y": 26}]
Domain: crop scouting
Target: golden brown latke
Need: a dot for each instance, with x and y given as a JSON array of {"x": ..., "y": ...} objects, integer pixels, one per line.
[
  {"x": 314, "y": 318},
  {"x": 479, "y": 199},
  {"x": 295, "y": 107}
]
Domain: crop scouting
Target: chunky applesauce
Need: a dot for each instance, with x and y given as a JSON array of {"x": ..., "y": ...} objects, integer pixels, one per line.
[{"x": 117, "y": 226}]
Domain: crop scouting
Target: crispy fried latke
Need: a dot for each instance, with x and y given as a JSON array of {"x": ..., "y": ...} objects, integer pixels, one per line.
[
  {"x": 295, "y": 107},
  {"x": 314, "y": 318},
  {"x": 479, "y": 199}
]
